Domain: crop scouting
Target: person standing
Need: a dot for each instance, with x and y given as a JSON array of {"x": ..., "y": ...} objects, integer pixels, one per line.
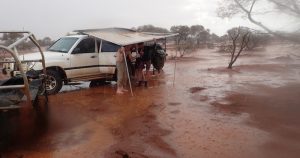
[
  {"x": 129, "y": 50},
  {"x": 146, "y": 62},
  {"x": 121, "y": 71},
  {"x": 139, "y": 67}
]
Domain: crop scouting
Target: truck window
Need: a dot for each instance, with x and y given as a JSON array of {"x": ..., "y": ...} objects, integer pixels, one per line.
[
  {"x": 63, "y": 45},
  {"x": 85, "y": 46},
  {"x": 109, "y": 47}
]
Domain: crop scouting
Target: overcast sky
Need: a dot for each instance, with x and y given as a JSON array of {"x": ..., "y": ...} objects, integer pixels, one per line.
[{"x": 54, "y": 18}]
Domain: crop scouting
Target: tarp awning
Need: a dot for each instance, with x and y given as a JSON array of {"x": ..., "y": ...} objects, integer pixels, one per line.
[{"x": 122, "y": 36}]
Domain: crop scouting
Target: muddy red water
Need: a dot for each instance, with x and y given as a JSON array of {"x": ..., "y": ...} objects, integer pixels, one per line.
[{"x": 208, "y": 111}]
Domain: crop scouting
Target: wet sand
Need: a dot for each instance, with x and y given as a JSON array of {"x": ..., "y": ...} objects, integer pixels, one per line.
[{"x": 209, "y": 111}]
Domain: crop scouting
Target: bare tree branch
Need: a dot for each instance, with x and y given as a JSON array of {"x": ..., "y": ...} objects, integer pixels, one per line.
[
  {"x": 248, "y": 12},
  {"x": 253, "y": 2},
  {"x": 294, "y": 8},
  {"x": 247, "y": 7}
]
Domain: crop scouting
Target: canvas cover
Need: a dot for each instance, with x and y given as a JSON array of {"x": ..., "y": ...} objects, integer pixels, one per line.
[{"x": 122, "y": 36}]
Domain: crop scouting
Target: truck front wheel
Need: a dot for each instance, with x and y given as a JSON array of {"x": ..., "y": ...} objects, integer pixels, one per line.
[{"x": 54, "y": 82}]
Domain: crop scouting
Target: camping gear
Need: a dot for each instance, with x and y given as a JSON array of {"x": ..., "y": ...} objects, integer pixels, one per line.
[{"x": 158, "y": 57}]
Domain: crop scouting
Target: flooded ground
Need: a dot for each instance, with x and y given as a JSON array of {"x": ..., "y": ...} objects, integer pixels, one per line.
[{"x": 206, "y": 110}]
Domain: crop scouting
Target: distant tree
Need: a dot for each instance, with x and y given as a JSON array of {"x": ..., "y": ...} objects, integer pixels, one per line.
[
  {"x": 9, "y": 38},
  {"x": 200, "y": 35},
  {"x": 229, "y": 8},
  {"x": 196, "y": 31},
  {"x": 151, "y": 28},
  {"x": 26, "y": 45},
  {"x": 238, "y": 40},
  {"x": 258, "y": 39},
  {"x": 183, "y": 32},
  {"x": 45, "y": 41},
  {"x": 183, "y": 42},
  {"x": 215, "y": 38},
  {"x": 5, "y": 36},
  {"x": 204, "y": 36}
]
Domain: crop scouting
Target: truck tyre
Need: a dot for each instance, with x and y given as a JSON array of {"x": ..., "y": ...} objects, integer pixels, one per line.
[{"x": 54, "y": 82}]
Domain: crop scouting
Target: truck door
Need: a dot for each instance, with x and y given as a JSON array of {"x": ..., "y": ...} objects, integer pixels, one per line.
[
  {"x": 107, "y": 59},
  {"x": 84, "y": 58}
]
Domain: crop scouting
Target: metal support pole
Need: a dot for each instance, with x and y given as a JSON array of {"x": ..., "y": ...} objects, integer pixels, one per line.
[
  {"x": 34, "y": 41},
  {"x": 166, "y": 45},
  {"x": 128, "y": 74},
  {"x": 175, "y": 63},
  {"x": 175, "y": 68}
]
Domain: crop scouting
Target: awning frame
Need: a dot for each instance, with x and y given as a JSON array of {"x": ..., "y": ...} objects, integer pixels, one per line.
[{"x": 124, "y": 36}]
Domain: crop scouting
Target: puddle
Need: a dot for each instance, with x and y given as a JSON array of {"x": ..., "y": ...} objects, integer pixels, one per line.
[
  {"x": 196, "y": 89},
  {"x": 174, "y": 103}
]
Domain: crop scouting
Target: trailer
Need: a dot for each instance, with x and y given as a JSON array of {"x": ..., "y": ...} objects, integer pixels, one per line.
[{"x": 27, "y": 87}]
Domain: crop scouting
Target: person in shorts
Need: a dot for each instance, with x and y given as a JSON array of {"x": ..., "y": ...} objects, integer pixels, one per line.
[{"x": 145, "y": 63}]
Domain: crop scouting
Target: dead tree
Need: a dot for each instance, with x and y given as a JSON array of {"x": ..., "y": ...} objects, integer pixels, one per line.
[
  {"x": 239, "y": 39},
  {"x": 184, "y": 43},
  {"x": 229, "y": 8},
  {"x": 185, "y": 47}
]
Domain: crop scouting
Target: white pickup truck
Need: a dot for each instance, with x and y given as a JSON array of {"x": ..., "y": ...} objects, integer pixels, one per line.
[
  {"x": 76, "y": 58},
  {"x": 86, "y": 56}
]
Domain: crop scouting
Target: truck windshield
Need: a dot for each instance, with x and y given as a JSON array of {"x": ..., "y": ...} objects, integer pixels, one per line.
[{"x": 63, "y": 45}]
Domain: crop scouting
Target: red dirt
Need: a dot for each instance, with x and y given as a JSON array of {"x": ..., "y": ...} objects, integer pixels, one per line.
[{"x": 207, "y": 111}]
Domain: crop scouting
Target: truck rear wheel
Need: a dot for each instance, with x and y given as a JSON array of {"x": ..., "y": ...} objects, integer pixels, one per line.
[{"x": 54, "y": 82}]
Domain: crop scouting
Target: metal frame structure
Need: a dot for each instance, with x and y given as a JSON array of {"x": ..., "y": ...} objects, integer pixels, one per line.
[{"x": 18, "y": 62}]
